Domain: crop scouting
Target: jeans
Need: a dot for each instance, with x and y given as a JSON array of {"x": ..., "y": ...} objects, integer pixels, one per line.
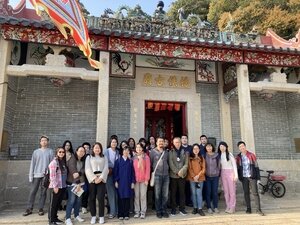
[
  {"x": 35, "y": 185},
  {"x": 196, "y": 192},
  {"x": 112, "y": 195},
  {"x": 177, "y": 184},
  {"x": 247, "y": 182},
  {"x": 212, "y": 184},
  {"x": 73, "y": 202},
  {"x": 85, "y": 195},
  {"x": 161, "y": 189}
]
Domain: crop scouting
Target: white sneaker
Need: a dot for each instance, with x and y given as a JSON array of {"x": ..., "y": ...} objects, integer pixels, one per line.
[
  {"x": 68, "y": 222},
  {"x": 84, "y": 210},
  {"x": 79, "y": 219},
  {"x": 93, "y": 220},
  {"x": 101, "y": 220}
]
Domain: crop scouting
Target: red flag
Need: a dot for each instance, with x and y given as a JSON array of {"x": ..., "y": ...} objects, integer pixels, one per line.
[{"x": 67, "y": 14}]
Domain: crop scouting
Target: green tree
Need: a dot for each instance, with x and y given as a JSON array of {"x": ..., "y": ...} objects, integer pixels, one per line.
[
  {"x": 218, "y": 7},
  {"x": 199, "y": 7}
]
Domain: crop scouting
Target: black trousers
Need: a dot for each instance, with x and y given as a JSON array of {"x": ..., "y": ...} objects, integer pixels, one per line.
[
  {"x": 247, "y": 184},
  {"x": 55, "y": 201},
  {"x": 177, "y": 184},
  {"x": 85, "y": 195},
  {"x": 124, "y": 206},
  {"x": 97, "y": 191}
]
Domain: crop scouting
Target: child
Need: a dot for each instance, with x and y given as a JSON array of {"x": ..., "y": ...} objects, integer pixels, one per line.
[{"x": 124, "y": 182}]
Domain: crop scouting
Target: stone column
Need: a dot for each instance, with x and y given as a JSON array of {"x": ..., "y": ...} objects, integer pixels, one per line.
[
  {"x": 245, "y": 109},
  {"x": 225, "y": 113},
  {"x": 103, "y": 99},
  {"x": 5, "y": 54}
]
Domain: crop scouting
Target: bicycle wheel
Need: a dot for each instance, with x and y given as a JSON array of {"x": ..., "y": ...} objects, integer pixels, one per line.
[{"x": 278, "y": 189}]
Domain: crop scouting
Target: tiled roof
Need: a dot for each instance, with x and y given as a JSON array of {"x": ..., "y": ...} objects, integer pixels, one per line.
[{"x": 220, "y": 39}]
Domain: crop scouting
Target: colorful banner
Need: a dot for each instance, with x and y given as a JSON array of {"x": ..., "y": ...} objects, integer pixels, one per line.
[{"x": 67, "y": 14}]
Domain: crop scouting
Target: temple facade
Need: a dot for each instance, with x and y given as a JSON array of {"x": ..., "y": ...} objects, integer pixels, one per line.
[{"x": 156, "y": 79}]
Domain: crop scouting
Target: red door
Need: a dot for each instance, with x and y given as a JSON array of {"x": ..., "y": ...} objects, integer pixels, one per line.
[{"x": 161, "y": 119}]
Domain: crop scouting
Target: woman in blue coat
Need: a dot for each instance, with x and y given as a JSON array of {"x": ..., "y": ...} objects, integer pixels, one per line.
[{"x": 124, "y": 181}]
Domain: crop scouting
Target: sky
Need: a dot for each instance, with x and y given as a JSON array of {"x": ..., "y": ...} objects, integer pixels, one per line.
[{"x": 96, "y": 7}]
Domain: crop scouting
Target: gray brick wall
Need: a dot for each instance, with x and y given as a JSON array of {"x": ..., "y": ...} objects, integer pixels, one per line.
[
  {"x": 119, "y": 107},
  {"x": 210, "y": 110},
  {"x": 9, "y": 112},
  {"x": 68, "y": 112},
  {"x": 271, "y": 125},
  {"x": 293, "y": 113}
]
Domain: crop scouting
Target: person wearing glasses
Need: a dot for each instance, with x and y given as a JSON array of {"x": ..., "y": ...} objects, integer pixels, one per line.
[{"x": 58, "y": 184}]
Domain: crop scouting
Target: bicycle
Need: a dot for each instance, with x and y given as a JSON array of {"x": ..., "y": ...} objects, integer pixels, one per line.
[{"x": 273, "y": 185}]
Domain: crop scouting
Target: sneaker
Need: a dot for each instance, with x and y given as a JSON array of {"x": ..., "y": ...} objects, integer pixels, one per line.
[
  {"x": 259, "y": 212},
  {"x": 143, "y": 216},
  {"x": 227, "y": 210},
  {"x": 210, "y": 211},
  {"x": 216, "y": 210},
  {"x": 68, "y": 222},
  {"x": 231, "y": 211},
  {"x": 79, "y": 219},
  {"x": 27, "y": 212},
  {"x": 137, "y": 215},
  {"x": 201, "y": 213},
  {"x": 195, "y": 211},
  {"x": 58, "y": 221},
  {"x": 158, "y": 215},
  {"x": 173, "y": 212},
  {"x": 165, "y": 215},
  {"x": 248, "y": 211},
  {"x": 183, "y": 212},
  {"x": 126, "y": 218},
  {"x": 93, "y": 220},
  {"x": 41, "y": 212},
  {"x": 111, "y": 216},
  {"x": 121, "y": 218},
  {"x": 84, "y": 210},
  {"x": 101, "y": 220}
]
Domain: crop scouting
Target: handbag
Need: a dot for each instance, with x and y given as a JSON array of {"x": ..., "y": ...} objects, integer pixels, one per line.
[
  {"x": 152, "y": 180},
  {"x": 46, "y": 178}
]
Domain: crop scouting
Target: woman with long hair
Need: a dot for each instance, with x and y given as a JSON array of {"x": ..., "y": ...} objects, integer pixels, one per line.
[
  {"x": 212, "y": 177},
  {"x": 229, "y": 176},
  {"x": 58, "y": 177},
  {"x": 196, "y": 176},
  {"x": 96, "y": 170},
  {"x": 112, "y": 155},
  {"x": 75, "y": 182}
]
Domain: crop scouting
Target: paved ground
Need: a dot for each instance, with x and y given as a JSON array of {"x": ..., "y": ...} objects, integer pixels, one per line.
[{"x": 278, "y": 211}]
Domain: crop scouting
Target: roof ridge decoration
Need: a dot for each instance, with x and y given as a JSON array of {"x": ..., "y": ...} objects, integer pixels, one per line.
[{"x": 279, "y": 42}]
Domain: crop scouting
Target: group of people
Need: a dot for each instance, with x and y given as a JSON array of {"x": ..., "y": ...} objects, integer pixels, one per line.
[{"x": 125, "y": 172}]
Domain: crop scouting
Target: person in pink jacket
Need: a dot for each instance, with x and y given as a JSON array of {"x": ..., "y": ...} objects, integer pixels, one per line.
[
  {"x": 58, "y": 178},
  {"x": 141, "y": 164}
]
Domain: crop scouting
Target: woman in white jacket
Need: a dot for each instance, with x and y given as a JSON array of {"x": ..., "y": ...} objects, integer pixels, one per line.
[{"x": 96, "y": 170}]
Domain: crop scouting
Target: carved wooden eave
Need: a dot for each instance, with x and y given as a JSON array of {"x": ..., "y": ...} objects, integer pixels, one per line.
[{"x": 52, "y": 71}]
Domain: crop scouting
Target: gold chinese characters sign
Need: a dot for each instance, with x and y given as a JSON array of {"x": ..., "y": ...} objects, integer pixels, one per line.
[{"x": 170, "y": 81}]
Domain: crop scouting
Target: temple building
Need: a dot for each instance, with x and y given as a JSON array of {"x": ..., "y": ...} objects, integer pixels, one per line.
[{"x": 156, "y": 79}]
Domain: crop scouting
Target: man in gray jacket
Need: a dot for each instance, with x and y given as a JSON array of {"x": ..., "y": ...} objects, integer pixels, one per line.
[
  {"x": 40, "y": 160},
  {"x": 178, "y": 162}
]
